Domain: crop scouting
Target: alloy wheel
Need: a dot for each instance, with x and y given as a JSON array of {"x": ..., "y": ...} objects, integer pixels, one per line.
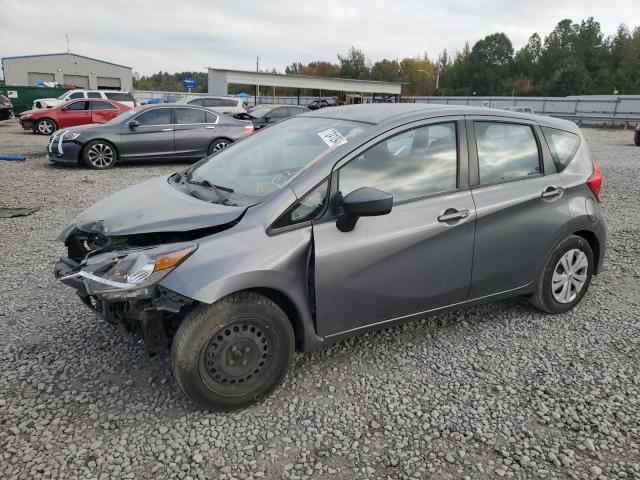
[
  {"x": 220, "y": 145},
  {"x": 45, "y": 127},
  {"x": 569, "y": 276},
  {"x": 100, "y": 155}
]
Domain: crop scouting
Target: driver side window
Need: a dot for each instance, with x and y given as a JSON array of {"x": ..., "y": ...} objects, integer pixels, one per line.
[{"x": 412, "y": 164}]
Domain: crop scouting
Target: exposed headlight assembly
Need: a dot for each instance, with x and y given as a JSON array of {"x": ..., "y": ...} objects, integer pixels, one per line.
[{"x": 118, "y": 275}]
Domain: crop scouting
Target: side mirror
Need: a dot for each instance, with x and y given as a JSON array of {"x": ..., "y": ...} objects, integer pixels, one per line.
[
  {"x": 133, "y": 124},
  {"x": 267, "y": 118},
  {"x": 64, "y": 109},
  {"x": 363, "y": 202}
]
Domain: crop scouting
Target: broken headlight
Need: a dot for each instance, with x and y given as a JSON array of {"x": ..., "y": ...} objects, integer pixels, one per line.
[{"x": 130, "y": 273}]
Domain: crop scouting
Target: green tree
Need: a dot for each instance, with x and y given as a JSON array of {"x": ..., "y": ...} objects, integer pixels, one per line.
[
  {"x": 491, "y": 63},
  {"x": 353, "y": 64}
]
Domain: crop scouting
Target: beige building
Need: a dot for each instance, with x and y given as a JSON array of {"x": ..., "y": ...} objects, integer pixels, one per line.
[{"x": 67, "y": 69}]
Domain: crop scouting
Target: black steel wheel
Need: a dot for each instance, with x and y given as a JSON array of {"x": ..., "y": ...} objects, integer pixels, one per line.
[{"x": 232, "y": 352}]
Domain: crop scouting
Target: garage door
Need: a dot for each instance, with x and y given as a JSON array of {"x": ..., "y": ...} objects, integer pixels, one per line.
[
  {"x": 35, "y": 77},
  {"x": 79, "y": 81},
  {"x": 111, "y": 83}
]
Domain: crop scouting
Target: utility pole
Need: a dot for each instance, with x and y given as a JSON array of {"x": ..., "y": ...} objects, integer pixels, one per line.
[
  {"x": 67, "y": 37},
  {"x": 257, "y": 84}
]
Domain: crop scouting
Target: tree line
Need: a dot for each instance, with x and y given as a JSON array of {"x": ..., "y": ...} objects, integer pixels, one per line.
[{"x": 573, "y": 59}]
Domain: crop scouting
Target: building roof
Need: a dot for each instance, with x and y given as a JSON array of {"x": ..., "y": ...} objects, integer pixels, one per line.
[
  {"x": 304, "y": 81},
  {"x": 63, "y": 53}
]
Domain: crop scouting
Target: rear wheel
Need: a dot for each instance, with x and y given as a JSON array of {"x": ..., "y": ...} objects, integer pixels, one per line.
[
  {"x": 99, "y": 155},
  {"x": 45, "y": 126},
  {"x": 217, "y": 145},
  {"x": 565, "y": 277},
  {"x": 232, "y": 352}
]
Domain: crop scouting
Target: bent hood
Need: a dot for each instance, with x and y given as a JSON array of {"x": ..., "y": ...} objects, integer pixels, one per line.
[{"x": 153, "y": 206}]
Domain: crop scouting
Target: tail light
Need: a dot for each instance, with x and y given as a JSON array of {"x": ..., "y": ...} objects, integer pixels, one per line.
[
  {"x": 249, "y": 129},
  {"x": 595, "y": 180}
]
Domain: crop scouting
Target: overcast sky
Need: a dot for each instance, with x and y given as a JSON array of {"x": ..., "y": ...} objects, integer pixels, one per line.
[{"x": 193, "y": 34}]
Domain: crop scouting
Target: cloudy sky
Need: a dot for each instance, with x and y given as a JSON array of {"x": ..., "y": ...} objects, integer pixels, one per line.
[{"x": 192, "y": 34}]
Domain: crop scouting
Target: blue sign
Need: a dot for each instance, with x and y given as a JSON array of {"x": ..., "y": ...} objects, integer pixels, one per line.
[{"x": 189, "y": 83}]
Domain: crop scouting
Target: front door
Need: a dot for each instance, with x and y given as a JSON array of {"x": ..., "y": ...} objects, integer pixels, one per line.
[
  {"x": 519, "y": 199},
  {"x": 153, "y": 137},
  {"x": 415, "y": 259},
  {"x": 74, "y": 113}
]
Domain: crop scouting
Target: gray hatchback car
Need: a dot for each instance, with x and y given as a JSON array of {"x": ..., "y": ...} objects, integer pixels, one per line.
[{"x": 334, "y": 223}]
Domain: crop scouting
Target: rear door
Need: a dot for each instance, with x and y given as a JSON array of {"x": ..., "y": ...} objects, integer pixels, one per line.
[
  {"x": 193, "y": 133},
  {"x": 102, "y": 112},
  {"x": 520, "y": 203},
  {"x": 74, "y": 113},
  {"x": 413, "y": 260},
  {"x": 152, "y": 138}
]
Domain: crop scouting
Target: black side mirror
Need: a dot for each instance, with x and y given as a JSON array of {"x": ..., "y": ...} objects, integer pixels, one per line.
[
  {"x": 133, "y": 124},
  {"x": 363, "y": 202},
  {"x": 267, "y": 118}
]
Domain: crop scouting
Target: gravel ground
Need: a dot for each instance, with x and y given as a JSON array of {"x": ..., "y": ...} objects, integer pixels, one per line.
[{"x": 495, "y": 391}]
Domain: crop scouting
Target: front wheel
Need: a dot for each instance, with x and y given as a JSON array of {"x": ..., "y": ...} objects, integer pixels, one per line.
[
  {"x": 217, "y": 145},
  {"x": 99, "y": 155},
  {"x": 233, "y": 352},
  {"x": 565, "y": 277},
  {"x": 45, "y": 126}
]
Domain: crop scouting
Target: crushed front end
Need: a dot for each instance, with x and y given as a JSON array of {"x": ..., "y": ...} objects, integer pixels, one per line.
[{"x": 119, "y": 278}]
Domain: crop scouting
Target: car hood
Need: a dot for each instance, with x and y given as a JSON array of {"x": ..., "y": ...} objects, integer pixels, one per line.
[{"x": 153, "y": 206}]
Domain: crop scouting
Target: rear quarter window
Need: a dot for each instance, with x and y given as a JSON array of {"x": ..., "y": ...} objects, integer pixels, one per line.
[{"x": 563, "y": 146}]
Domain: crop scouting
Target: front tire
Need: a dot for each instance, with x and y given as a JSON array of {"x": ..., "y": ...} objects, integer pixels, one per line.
[
  {"x": 566, "y": 276},
  {"x": 217, "y": 145},
  {"x": 233, "y": 352},
  {"x": 45, "y": 126},
  {"x": 99, "y": 155}
]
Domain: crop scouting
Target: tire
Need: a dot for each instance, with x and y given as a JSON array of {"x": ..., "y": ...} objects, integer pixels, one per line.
[
  {"x": 636, "y": 139},
  {"x": 99, "y": 155},
  {"x": 218, "y": 144},
  {"x": 558, "y": 292},
  {"x": 233, "y": 352},
  {"x": 45, "y": 126}
]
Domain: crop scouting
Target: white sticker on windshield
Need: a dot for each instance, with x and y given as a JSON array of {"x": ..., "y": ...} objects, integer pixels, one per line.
[{"x": 332, "y": 137}]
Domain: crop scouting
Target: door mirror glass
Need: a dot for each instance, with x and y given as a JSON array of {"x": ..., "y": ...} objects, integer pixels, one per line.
[
  {"x": 363, "y": 202},
  {"x": 133, "y": 124}
]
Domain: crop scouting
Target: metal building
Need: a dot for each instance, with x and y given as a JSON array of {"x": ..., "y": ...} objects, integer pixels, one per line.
[
  {"x": 67, "y": 69},
  {"x": 219, "y": 80}
]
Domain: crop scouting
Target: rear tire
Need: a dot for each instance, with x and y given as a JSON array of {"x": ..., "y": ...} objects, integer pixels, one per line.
[
  {"x": 233, "y": 352},
  {"x": 99, "y": 155},
  {"x": 566, "y": 276},
  {"x": 217, "y": 145},
  {"x": 45, "y": 126}
]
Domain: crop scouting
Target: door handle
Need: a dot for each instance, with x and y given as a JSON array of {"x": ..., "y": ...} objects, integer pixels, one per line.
[
  {"x": 210, "y": 128},
  {"x": 452, "y": 214},
  {"x": 552, "y": 192},
  {"x": 167, "y": 129}
]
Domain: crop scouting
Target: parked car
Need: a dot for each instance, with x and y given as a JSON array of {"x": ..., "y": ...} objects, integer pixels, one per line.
[
  {"x": 317, "y": 104},
  {"x": 124, "y": 98},
  {"x": 264, "y": 115},
  {"x": 228, "y": 105},
  {"x": 6, "y": 108},
  {"x": 71, "y": 114},
  {"x": 148, "y": 132},
  {"x": 636, "y": 136},
  {"x": 334, "y": 223}
]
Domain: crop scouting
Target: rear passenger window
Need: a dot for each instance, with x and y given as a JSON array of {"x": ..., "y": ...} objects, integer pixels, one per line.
[
  {"x": 197, "y": 101},
  {"x": 211, "y": 102},
  {"x": 506, "y": 151},
  {"x": 119, "y": 96},
  {"x": 76, "y": 95},
  {"x": 563, "y": 146},
  {"x": 102, "y": 106},
  {"x": 412, "y": 164},
  {"x": 187, "y": 116},
  {"x": 94, "y": 95},
  {"x": 227, "y": 102},
  {"x": 212, "y": 118}
]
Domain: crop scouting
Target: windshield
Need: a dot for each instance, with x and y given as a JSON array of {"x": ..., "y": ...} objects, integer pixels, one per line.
[
  {"x": 62, "y": 95},
  {"x": 267, "y": 161}
]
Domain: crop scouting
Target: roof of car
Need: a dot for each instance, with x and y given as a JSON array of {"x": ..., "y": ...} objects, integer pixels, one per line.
[{"x": 376, "y": 113}]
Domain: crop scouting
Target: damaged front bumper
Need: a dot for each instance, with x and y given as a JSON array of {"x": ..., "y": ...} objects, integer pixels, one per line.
[{"x": 126, "y": 292}]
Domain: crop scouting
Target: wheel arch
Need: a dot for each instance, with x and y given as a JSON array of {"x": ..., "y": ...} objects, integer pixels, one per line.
[{"x": 594, "y": 243}]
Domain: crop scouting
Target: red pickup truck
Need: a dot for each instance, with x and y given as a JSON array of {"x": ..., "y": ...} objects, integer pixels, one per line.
[{"x": 70, "y": 114}]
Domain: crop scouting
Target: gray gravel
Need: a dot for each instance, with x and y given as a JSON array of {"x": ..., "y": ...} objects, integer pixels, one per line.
[{"x": 495, "y": 391}]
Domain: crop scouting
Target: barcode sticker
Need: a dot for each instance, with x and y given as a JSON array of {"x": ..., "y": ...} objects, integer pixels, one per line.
[{"x": 332, "y": 137}]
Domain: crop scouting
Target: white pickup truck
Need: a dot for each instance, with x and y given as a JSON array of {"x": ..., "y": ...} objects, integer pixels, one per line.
[{"x": 117, "y": 96}]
